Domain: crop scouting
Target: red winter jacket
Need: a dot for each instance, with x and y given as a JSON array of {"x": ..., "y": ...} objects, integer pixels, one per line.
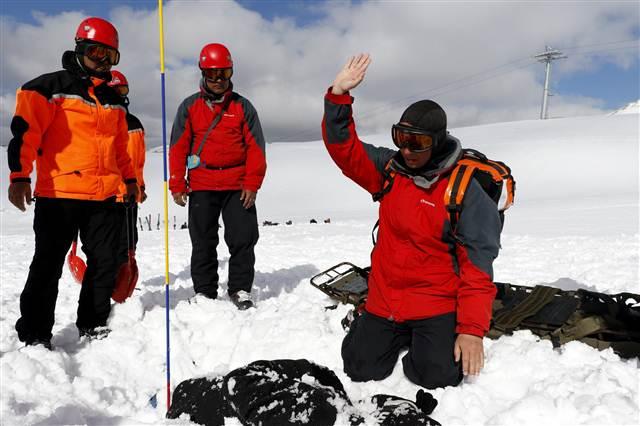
[
  {"x": 233, "y": 156},
  {"x": 418, "y": 269}
]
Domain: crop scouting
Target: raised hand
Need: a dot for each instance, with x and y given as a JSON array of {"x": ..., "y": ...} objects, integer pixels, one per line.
[{"x": 352, "y": 74}]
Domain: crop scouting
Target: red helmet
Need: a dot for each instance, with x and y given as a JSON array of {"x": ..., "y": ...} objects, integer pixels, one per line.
[
  {"x": 97, "y": 30},
  {"x": 215, "y": 55},
  {"x": 117, "y": 79}
]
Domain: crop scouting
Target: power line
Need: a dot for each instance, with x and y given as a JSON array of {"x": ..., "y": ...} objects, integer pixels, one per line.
[
  {"x": 453, "y": 85},
  {"x": 605, "y": 50},
  {"x": 601, "y": 44},
  {"x": 389, "y": 106}
]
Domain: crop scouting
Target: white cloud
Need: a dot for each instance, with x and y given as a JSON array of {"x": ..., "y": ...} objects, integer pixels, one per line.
[{"x": 419, "y": 49}]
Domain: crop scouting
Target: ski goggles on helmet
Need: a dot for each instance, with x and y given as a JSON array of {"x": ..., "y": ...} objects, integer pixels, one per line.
[
  {"x": 412, "y": 138},
  {"x": 123, "y": 90},
  {"x": 100, "y": 53},
  {"x": 217, "y": 73}
]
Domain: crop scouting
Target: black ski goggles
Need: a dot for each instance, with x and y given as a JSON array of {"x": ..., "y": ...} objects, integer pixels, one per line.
[
  {"x": 99, "y": 53},
  {"x": 122, "y": 90},
  {"x": 217, "y": 73},
  {"x": 412, "y": 138}
]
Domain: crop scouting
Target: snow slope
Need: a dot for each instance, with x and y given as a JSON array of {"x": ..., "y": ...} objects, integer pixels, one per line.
[{"x": 575, "y": 224}]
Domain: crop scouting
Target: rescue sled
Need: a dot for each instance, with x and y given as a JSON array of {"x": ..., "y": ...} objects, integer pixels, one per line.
[
  {"x": 598, "y": 319},
  {"x": 344, "y": 282}
]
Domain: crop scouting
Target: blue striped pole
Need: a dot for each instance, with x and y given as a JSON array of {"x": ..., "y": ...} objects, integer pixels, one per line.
[{"x": 166, "y": 203}]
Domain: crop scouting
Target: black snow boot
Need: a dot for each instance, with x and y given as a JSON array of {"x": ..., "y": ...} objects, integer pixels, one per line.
[
  {"x": 241, "y": 299},
  {"x": 95, "y": 333},
  {"x": 44, "y": 342}
]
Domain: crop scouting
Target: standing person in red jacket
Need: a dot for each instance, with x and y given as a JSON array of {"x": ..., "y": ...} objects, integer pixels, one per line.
[
  {"x": 217, "y": 162},
  {"x": 429, "y": 289},
  {"x": 137, "y": 152},
  {"x": 73, "y": 125}
]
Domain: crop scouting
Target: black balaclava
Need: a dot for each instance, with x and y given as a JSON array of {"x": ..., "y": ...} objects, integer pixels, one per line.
[
  {"x": 205, "y": 88},
  {"x": 79, "y": 50},
  {"x": 427, "y": 115}
]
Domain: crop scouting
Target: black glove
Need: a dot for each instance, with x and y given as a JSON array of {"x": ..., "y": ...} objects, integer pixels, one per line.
[{"x": 426, "y": 402}]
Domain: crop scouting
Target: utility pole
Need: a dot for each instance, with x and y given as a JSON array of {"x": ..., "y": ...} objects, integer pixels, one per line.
[{"x": 547, "y": 56}]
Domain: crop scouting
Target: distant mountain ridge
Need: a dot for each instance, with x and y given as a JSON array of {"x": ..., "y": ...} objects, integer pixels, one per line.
[{"x": 630, "y": 108}]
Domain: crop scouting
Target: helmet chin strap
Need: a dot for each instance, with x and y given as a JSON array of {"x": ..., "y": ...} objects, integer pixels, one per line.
[{"x": 103, "y": 75}]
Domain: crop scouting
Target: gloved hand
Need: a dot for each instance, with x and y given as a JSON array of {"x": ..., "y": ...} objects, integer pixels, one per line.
[
  {"x": 132, "y": 192},
  {"x": 19, "y": 192},
  {"x": 425, "y": 401}
]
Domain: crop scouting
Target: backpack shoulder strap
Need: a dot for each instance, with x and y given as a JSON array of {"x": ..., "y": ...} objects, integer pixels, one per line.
[
  {"x": 389, "y": 175},
  {"x": 212, "y": 126},
  {"x": 471, "y": 162}
]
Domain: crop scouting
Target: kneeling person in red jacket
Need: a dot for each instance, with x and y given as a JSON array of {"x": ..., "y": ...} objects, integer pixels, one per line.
[
  {"x": 217, "y": 142},
  {"x": 429, "y": 289}
]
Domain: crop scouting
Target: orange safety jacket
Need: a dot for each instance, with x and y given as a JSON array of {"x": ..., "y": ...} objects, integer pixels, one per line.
[
  {"x": 74, "y": 127},
  {"x": 137, "y": 151}
]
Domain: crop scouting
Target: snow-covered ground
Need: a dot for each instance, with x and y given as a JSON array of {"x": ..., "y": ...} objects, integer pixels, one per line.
[{"x": 575, "y": 224}]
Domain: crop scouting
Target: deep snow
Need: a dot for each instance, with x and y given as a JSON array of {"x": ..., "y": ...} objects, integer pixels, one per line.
[{"x": 575, "y": 224}]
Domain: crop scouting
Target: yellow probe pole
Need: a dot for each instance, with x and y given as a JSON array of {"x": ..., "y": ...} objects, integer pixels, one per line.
[{"x": 166, "y": 203}]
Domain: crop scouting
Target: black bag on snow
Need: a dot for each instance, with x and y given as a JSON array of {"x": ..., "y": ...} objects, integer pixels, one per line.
[
  {"x": 202, "y": 399},
  {"x": 289, "y": 392},
  {"x": 283, "y": 392}
]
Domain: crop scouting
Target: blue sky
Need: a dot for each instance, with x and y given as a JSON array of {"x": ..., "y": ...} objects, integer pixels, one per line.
[
  {"x": 474, "y": 58},
  {"x": 614, "y": 85}
]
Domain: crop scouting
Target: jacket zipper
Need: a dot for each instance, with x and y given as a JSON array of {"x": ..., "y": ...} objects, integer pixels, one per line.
[{"x": 98, "y": 138}]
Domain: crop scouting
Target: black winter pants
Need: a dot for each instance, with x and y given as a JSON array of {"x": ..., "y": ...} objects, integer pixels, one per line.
[
  {"x": 370, "y": 350},
  {"x": 56, "y": 223},
  {"x": 132, "y": 220},
  {"x": 240, "y": 234}
]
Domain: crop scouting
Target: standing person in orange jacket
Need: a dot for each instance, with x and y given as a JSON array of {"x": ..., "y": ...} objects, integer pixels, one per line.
[
  {"x": 136, "y": 150},
  {"x": 217, "y": 160},
  {"x": 73, "y": 125}
]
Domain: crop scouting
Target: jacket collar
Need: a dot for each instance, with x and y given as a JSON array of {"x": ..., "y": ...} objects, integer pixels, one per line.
[
  {"x": 212, "y": 97},
  {"x": 71, "y": 63},
  {"x": 441, "y": 164}
]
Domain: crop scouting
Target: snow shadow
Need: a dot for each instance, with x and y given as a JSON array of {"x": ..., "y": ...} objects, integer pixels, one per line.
[
  {"x": 266, "y": 285},
  {"x": 156, "y": 298},
  {"x": 570, "y": 284},
  {"x": 272, "y": 284},
  {"x": 79, "y": 414},
  {"x": 185, "y": 274}
]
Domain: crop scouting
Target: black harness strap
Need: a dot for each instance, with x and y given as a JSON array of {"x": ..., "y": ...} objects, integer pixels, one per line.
[
  {"x": 213, "y": 124},
  {"x": 538, "y": 299},
  {"x": 389, "y": 175},
  {"x": 210, "y": 167}
]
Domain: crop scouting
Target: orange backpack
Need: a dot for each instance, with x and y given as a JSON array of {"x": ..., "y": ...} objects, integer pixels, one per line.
[{"x": 493, "y": 176}]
